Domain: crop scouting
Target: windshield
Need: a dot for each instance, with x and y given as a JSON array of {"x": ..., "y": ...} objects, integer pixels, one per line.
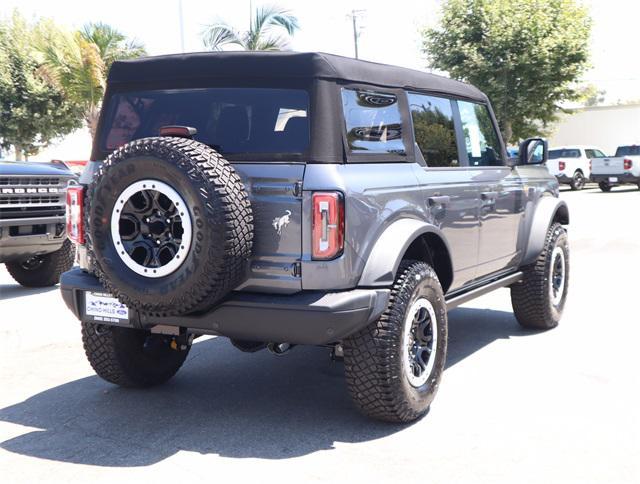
[
  {"x": 555, "y": 154},
  {"x": 628, "y": 150},
  {"x": 232, "y": 120}
]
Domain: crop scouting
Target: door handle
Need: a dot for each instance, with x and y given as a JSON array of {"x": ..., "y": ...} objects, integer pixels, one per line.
[
  {"x": 442, "y": 200},
  {"x": 489, "y": 195}
]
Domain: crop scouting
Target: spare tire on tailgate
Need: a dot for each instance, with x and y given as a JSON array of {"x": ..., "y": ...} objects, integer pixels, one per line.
[{"x": 170, "y": 225}]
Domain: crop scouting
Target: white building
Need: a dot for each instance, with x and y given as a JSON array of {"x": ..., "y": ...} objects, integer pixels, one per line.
[{"x": 604, "y": 126}]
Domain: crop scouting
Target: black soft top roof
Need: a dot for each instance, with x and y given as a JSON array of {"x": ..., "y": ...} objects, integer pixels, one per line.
[{"x": 281, "y": 65}]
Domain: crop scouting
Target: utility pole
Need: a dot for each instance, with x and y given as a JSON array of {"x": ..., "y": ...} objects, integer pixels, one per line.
[{"x": 355, "y": 14}]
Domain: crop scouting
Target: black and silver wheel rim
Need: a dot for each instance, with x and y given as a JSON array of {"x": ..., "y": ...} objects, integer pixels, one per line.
[
  {"x": 420, "y": 341},
  {"x": 151, "y": 228},
  {"x": 557, "y": 276},
  {"x": 32, "y": 263},
  {"x": 578, "y": 181}
]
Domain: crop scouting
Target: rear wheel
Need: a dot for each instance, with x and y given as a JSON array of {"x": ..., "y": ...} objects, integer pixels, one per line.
[
  {"x": 579, "y": 181},
  {"x": 42, "y": 270},
  {"x": 131, "y": 357},
  {"x": 393, "y": 366},
  {"x": 538, "y": 300},
  {"x": 604, "y": 186}
]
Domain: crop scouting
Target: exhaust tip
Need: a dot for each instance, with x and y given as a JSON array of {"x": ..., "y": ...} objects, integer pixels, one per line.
[{"x": 279, "y": 349}]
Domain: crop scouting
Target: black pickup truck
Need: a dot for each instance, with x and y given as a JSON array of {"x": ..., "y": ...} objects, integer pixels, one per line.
[{"x": 33, "y": 245}]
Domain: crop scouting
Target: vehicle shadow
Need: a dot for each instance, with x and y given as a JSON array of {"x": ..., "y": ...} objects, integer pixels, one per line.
[
  {"x": 618, "y": 189},
  {"x": 587, "y": 187},
  {"x": 11, "y": 291},
  {"x": 222, "y": 402}
]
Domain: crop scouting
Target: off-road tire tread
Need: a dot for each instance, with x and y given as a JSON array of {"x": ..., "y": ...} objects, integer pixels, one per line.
[
  {"x": 207, "y": 169},
  {"x": 371, "y": 368},
  {"x": 49, "y": 271},
  {"x": 530, "y": 298},
  {"x": 112, "y": 365}
]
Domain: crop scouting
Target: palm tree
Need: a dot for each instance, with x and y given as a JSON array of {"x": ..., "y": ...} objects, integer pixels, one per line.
[
  {"x": 112, "y": 45},
  {"x": 264, "y": 32},
  {"x": 79, "y": 62}
]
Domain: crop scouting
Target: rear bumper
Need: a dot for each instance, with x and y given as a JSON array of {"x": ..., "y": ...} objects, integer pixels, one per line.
[
  {"x": 14, "y": 246},
  {"x": 563, "y": 178},
  {"x": 622, "y": 178},
  {"x": 308, "y": 317}
]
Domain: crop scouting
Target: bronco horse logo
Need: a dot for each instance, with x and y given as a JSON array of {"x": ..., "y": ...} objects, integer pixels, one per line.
[{"x": 280, "y": 223}]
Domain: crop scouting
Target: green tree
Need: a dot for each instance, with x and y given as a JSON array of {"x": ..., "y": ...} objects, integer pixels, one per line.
[
  {"x": 265, "y": 32},
  {"x": 112, "y": 45},
  {"x": 33, "y": 112},
  {"x": 78, "y": 63},
  {"x": 526, "y": 55}
]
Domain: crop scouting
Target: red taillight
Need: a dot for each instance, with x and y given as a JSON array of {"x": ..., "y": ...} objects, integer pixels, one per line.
[
  {"x": 75, "y": 213},
  {"x": 328, "y": 225},
  {"x": 561, "y": 165},
  {"x": 628, "y": 164}
]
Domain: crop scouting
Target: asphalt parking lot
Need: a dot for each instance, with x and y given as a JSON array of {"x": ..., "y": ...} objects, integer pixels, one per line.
[{"x": 514, "y": 406}]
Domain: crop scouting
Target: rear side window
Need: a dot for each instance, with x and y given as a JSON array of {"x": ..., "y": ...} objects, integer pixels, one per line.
[
  {"x": 628, "y": 150},
  {"x": 434, "y": 129},
  {"x": 373, "y": 122},
  {"x": 480, "y": 137},
  {"x": 232, "y": 120},
  {"x": 564, "y": 153}
]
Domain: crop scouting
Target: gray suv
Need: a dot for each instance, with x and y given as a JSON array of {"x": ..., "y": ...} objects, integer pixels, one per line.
[{"x": 281, "y": 199}]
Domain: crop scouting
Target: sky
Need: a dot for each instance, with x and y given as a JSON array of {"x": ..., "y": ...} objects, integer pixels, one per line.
[{"x": 389, "y": 33}]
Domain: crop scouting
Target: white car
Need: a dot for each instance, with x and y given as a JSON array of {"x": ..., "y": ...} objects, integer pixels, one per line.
[
  {"x": 623, "y": 168},
  {"x": 571, "y": 165}
]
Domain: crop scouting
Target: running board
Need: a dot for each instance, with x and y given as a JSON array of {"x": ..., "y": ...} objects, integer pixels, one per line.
[{"x": 457, "y": 299}]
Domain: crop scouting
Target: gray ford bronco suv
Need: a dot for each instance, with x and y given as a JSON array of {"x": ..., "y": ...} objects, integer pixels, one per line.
[{"x": 281, "y": 199}]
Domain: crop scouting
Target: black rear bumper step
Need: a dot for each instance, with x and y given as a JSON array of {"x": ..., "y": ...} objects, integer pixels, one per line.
[{"x": 308, "y": 317}]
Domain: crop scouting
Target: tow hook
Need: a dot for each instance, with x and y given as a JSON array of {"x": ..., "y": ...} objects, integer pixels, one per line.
[
  {"x": 279, "y": 349},
  {"x": 337, "y": 352},
  {"x": 181, "y": 342}
]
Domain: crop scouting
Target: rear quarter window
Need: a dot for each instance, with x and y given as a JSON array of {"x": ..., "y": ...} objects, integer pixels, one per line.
[{"x": 373, "y": 122}]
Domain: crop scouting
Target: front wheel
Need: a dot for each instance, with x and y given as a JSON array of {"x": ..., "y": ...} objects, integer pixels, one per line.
[
  {"x": 131, "y": 357},
  {"x": 43, "y": 270},
  {"x": 538, "y": 300},
  {"x": 579, "y": 181},
  {"x": 604, "y": 186},
  {"x": 393, "y": 366}
]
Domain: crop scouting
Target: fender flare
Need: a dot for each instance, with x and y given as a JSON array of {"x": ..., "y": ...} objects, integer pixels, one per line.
[
  {"x": 547, "y": 210},
  {"x": 385, "y": 257}
]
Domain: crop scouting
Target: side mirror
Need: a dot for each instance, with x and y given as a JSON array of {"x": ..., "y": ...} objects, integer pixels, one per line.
[{"x": 533, "y": 151}]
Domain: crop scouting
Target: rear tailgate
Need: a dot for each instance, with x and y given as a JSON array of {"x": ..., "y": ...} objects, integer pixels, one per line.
[
  {"x": 275, "y": 191},
  {"x": 607, "y": 166}
]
